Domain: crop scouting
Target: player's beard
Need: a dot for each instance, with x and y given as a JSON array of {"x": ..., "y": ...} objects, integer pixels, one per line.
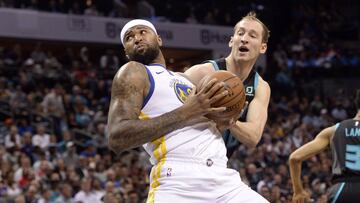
[{"x": 146, "y": 57}]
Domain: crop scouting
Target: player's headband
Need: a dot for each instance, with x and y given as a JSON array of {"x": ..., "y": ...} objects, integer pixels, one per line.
[{"x": 134, "y": 23}]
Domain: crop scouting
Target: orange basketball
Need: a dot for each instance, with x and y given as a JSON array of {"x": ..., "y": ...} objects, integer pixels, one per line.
[{"x": 234, "y": 101}]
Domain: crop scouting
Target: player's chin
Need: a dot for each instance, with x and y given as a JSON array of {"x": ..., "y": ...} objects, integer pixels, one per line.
[{"x": 246, "y": 57}]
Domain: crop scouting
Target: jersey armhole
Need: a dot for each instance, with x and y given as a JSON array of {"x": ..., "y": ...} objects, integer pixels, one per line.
[
  {"x": 215, "y": 65},
  {"x": 256, "y": 80},
  {"x": 152, "y": 87}
]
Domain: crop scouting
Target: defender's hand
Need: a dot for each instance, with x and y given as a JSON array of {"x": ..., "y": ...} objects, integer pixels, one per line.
[{"x": 301, "y": 197}]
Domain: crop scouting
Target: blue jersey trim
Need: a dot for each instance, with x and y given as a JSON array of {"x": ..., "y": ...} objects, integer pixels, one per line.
[
  {"x": 256, "y": 80},
  {"x": 337, "y": 125},
  {"x": 338, "y": 192},
  {"x": 152, "y": 87},
  {"x": 157, "y": 64}
]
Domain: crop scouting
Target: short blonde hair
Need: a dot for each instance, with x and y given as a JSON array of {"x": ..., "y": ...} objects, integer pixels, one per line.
[{"x": 252, "y": 16}]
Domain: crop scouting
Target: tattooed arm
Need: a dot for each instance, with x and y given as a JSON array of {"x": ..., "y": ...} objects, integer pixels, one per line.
[{"x": 130, "y": 87}]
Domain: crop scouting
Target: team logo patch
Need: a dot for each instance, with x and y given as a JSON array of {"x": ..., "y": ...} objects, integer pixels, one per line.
[{"x": 182, "y": 91}]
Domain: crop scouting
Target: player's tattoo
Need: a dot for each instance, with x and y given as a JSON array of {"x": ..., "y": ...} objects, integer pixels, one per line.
[{"x": 125, "y": 128}]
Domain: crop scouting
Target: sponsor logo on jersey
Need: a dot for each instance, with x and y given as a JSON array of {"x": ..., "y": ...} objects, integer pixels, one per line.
[{"x": 249, "y": 91}]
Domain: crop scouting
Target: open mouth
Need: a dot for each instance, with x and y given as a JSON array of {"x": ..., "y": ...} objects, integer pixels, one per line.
[{"x": 243, "y": 49}]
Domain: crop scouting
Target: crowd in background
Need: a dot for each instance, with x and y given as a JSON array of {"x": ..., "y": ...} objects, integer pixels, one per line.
[
  {"x": 310, "y": 34},
  {"x": 171, "y": 10},
  {"x": 53, "y": 134},
  {"x": 53, "y": 107}
]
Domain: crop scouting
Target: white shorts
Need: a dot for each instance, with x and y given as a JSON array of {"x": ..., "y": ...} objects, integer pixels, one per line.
[{"x": 198, "y": 181}]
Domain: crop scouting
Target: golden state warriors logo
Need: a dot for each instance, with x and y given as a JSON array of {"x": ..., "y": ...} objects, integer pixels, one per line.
[{"x": 182, "y": 90}]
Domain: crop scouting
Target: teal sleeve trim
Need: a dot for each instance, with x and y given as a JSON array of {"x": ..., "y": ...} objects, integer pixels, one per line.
[
  {"x": 256, "y": 81},
  {"x": 338, "y": 192},
  {"x": 216, "y": 67},
  {"x": 337, "y": 125}
]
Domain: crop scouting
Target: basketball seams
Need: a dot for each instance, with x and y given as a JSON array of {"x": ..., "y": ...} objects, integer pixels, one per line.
[
  {"x": 238, "y": 89},
  {"x": 235, "y": 101}
]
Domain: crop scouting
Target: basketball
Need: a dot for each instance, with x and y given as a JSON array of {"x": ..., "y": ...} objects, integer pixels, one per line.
[{"x": 234, "y": 101}]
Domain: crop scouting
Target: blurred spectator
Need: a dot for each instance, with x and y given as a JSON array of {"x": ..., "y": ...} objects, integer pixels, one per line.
[
  {"x": 75, "y": 8},
  {"x": 41, "y": 138},
  {"x": 253, "y": 176},
  {"x": 25, "y": 173},
  {"x": 133, "y": 197},
  {"x": 65, "y": 194},
  {"x": 24, "y": 126},
  {"x": 145, "y": 9},
  {"x": 91, "y": 10},
  {"x": 45, "y": 196},
  {"x": 70, "y": 156},
  {"x": 31, "y": 194},
  {"x": 66, "y": 138},
  {"x": 13, "y": 138},
  {"x": 27, "y": 147},
  {"x": 53, "y": 106},
  {"x": 20, "y": 199},
  {"x": 338, "y": 112},
  {"x": 86, "y": 194},
  {"x": 12, "y": 188},
  {"x": 109, "y": 60},
  {"x": 99, "y": 137},
  {"x": 38, "y": 55},
  {"x": 90, "y": 149},
  {"x": 84, "y": 55}
]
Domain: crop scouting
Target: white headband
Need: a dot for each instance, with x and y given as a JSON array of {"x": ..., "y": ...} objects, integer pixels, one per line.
[{"x": 133, "y": 23}]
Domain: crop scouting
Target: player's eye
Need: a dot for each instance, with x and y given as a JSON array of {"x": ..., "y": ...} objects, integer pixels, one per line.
[
  {"x": 127, "y": 38},
  {"x": 241, "y": 33}
]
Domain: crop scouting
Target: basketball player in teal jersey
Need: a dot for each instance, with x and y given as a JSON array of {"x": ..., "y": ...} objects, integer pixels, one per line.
[
  {"x": 344, "y": 141},
  {"x": 164, "y": 112},
  {"x": 247, "y": 43}
]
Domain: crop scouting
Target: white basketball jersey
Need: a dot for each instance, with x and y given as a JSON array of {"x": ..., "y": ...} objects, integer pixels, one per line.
[{"x": 168, "y": 91}]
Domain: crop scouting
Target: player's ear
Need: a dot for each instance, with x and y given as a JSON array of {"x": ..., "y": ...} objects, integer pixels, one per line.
[
  {"x": 159, "y": 40},
  {"x": 231, "y": 41},
  {"x": 127, "y": 56},
  {"x": 263, "y": 48}
]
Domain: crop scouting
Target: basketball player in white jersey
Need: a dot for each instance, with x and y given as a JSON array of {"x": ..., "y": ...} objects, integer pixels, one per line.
[{"x": 163, "y": 111}]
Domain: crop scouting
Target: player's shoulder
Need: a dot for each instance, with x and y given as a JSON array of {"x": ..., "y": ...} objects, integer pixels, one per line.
[
  {"x": 346, "y": 122},
  {"x": 329, "y": 132},
  {"x": 132, "y": 71},
  {"x": 198, "y": 71},
  {"x": 263, "y": 84},
  {"x": 202, "y": 67},
  {"x": 131, "y": 68}
]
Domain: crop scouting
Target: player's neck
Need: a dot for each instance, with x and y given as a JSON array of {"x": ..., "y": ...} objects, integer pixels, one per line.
[
  {"x": 159, "y": 59},
  {"x": 240, "y": 68}
]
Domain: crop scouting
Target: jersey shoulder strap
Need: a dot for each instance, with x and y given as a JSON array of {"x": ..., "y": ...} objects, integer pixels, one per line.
[{"x": 218, "y": 64}]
